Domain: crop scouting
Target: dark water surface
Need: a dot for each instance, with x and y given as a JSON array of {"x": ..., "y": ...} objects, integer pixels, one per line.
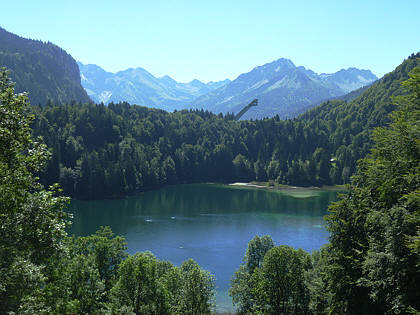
[{"x": 210, "y": 223}]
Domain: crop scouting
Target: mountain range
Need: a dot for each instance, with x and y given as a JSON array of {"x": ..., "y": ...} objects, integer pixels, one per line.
[
  {"x": 282, "y": 89},
  {"x": 49, "y": 74},
  {"x": 138, "y": 86},
  {"x": 43, "y": 70}
]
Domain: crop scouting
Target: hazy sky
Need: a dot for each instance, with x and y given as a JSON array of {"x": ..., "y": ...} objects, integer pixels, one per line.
[{"x": 214, "y": 40}]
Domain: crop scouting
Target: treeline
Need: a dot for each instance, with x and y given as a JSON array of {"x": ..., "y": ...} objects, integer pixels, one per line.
[
  {"x": 371, "y": 264},
  {"x": 107, "y": 152}
]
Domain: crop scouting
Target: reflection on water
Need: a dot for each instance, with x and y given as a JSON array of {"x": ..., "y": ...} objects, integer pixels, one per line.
[{"x": 210, "y": 223}]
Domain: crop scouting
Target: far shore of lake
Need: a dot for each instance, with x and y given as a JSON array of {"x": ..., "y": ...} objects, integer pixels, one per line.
[
  {"x": 294, "y": 191},
  {"x": 270, "y": 185}
]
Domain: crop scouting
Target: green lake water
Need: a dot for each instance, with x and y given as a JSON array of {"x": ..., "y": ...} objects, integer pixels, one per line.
[{"x": 208, "y": 222}]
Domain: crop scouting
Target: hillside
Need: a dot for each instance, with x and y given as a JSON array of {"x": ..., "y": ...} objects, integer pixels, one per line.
[
  {"x": 44, "y": 70},
  {"x": 349, "y": 124},
  {"x": 282, "y": 89},
  {"x": 138, "y": 86},
  {"x": 371, "y": 263}
]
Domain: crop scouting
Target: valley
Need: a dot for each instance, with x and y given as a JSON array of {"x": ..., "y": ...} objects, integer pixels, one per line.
[{"x": 126, "y": 193}]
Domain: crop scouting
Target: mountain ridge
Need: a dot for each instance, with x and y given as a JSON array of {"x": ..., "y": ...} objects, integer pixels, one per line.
[
  {"x": 282, "y": 89},
  {"x": 140, "y": 87}
]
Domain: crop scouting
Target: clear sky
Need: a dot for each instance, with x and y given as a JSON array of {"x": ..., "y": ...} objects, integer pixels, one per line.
[{"x": 214, "y": 40}]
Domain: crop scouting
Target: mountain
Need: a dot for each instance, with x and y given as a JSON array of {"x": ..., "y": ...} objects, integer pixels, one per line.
[
  {"x": 44, "y": 70},
  {"x": 282, "y": 89},
  {"x": 350, "y": 79},
  {"x": 346, "y": 97},
  {"x": 137, "y": 86}
]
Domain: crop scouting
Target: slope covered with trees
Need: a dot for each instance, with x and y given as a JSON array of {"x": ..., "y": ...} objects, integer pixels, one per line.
[
  {"x": 43, "y": 70},
  {"x": 373, "y": 255},
  {"x": 107, "y": 152},
  {"x": 43, "y": 271},
  {"x": 371, "y": 264}
]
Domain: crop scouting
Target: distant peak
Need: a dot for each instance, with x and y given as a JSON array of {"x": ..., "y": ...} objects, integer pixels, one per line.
[
  {"x": 135, "y": 72},
  {"x": 221, "y": 81},
  {"x": 277, "y": 65},
  {"x": 138, "y": 69},
  {"x": 353, "y": 73},
  {"x": 284, "y": 61},
  {"x": 90, "y": 67},
  {"x": 350, "y": 70},
  {"x": 196, "y": 82},
  {"x": 226, "y": 81},
  {"x": 166, "y": 78}
]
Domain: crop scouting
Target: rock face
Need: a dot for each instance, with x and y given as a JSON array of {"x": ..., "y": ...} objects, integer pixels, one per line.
[
  {"x": 44, "y": 70},
  {"x": 282, "y": 89},
  {"x": 137, "y": 86}
]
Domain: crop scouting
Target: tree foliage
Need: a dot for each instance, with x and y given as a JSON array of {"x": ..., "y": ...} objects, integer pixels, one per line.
[
  {"x": 271, "y": 280},
  {"x": 32, "y": 220},
  {"x": 281, "y": 288},
  {"x": 43, "y": 271},
  {"x": 373, "y": 261}
]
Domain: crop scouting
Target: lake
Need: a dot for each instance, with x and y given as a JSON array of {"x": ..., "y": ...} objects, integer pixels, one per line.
[{"x": 210, "y": 223}]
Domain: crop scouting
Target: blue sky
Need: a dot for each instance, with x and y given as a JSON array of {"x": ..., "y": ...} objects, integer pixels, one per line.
[{"x": 214, "y": 40}]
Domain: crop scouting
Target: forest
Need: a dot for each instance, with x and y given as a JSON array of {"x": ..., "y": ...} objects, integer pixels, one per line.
[
  {"x": 370, "y": 265},
  {"x": 101, "y": 152}
]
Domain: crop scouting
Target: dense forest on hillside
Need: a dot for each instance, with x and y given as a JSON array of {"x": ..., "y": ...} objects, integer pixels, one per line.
[
  {"x": 107, "y": 152},
  {"x": 43, "y": 70},
  {"x": 44, "y": 271},
  {"x": 371, "y": 264}
]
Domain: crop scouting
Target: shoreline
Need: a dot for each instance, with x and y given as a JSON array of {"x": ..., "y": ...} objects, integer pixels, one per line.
[
  {"x": 251, "y": 185},
  {"x": 280, "y": 187}
]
